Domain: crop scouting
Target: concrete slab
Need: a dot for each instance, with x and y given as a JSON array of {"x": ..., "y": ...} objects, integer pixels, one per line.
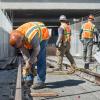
[
  {"x": 79, "y": 62},
  {"x": 69, "y": 87}
]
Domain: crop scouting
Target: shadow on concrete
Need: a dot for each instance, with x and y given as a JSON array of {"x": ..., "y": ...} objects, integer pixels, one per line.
[{"x": 59, "y": 84}]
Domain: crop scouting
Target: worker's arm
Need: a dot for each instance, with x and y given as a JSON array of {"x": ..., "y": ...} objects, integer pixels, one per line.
[
  {"x": 80, "y": 34},
  {"x": 60, "y": 36},
  {"x": 31, "y": 58},
  {"x": 81, "y": 31},
  {"x": 95, "y": 35},
  {"x": 26, "y": 55},
  {"x": 34, "y": 54}
]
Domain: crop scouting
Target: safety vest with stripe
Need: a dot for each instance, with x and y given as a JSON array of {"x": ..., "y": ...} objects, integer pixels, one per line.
[
  {"x": 67, "y": 31},
  {"x": 88, "y": 29},
  {"x": 30, "y": 30}
]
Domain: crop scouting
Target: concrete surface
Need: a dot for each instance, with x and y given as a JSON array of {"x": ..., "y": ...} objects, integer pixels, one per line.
[
  {"x": 69, "y": 87},
  {"x": 94, "y": 66},
  {"x": 7, "y": 83}
]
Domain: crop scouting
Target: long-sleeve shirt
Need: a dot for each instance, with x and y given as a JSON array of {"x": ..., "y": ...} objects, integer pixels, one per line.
[{"x": 34, "y": 53}]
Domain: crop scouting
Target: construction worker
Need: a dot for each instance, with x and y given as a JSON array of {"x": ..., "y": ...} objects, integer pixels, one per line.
[
  {"x": 63, "y": 43},
  {"x": 87, "y": 34},
  {"x": 31, "y": 38}
]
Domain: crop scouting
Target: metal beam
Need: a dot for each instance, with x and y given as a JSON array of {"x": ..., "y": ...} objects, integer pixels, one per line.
[
  {"x": 51, "y": 6},
  {"x": 18, "y": 20}
]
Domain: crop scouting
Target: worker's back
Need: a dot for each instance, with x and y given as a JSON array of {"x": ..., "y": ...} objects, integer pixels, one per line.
[
  {"x": 31, "y": 28},
  {"x": 88, "y": 29}
]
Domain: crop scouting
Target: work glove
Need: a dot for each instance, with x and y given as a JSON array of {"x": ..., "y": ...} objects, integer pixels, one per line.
[
  {"x": 28, "y": 65},
  {"x": 80, "y": 37},
  {"x": 82, "y": 40},
  {"x": 34, "y": 71},
  {"x": 58, "y": 45},
  {"x": 25, "y": 71}
]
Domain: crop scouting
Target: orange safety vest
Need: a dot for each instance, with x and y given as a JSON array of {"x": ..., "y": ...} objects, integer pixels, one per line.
[
  {"x": 88, "y": 29},
  {"x": 67, "y": 31},
  {"x": 30, "y": 29}
]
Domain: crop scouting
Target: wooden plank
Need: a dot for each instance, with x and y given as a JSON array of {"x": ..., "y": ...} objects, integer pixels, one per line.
[
  {"x": 18, "y": 93},
  {"x": 97, "y": 80},
  {"x": 90, "y": 72},
  {"x": 44, "y": 94},
  {"x": 89, "y": 76},
  {"x": 81, "y": 69}
]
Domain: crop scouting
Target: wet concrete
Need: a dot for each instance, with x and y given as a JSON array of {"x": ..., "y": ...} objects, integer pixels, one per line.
[{"x": 7, "y": 84}]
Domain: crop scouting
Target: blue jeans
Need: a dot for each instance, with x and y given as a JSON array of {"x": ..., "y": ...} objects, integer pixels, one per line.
[{"x": 41, "y": 63}]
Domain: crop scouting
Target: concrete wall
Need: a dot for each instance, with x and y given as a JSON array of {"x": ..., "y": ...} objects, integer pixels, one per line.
[
  {"x": 5, "y": 28},
  {"x": 76, "y": 45}
]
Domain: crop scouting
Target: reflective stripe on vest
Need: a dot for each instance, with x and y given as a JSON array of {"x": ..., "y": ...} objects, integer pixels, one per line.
[
  {"x": 88, "y": 29},
  {"x": 40, "y": 33},
  {"x": 67, "y": 32},
  {"x": 31, "y": 32},
  {"x": 43, "y": 31}
]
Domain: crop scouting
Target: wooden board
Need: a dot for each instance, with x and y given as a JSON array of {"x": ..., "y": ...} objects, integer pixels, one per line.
[{"x": 44, "y": 94}]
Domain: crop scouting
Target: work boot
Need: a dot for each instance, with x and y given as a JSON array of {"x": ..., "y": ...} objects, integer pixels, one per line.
[
  {"x": 72, "y": 68},
  {"x": 34, "y": 71},
  {"x": 29, "y": 83},
  {"x": 38, "y": 86},
  {"x": 28, "y": 80},
  {"x": 57, "y": 69},
  {"x": 86, "y": 65}
]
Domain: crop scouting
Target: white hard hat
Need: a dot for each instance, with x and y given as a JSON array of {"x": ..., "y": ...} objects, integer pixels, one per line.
[{"x": 63, "y": 17}]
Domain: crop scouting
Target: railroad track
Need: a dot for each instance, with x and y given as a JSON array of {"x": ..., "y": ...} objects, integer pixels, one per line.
[
  {"x": 23, "y": 93},
  {"x": 18, "y": 91},
  {"x": 88, "y": 75},
  {"x": 81, "y": 72}
]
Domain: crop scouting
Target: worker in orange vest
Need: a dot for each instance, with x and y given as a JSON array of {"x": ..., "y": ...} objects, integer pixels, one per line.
[
  {"x": 31, "y": 38},
  {"x": 63, "y": 44},
  {"x": 87, "y": 34}
]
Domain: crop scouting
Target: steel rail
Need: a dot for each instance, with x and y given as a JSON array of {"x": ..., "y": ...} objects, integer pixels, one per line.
[
  {"x": 18, "y": 92},
  {"x": 88, "y": 75},
  {"x": 81, "y": 72}
]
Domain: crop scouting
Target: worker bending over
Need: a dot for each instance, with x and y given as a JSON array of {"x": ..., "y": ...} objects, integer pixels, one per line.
[{"x": 31, "y": 38}]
